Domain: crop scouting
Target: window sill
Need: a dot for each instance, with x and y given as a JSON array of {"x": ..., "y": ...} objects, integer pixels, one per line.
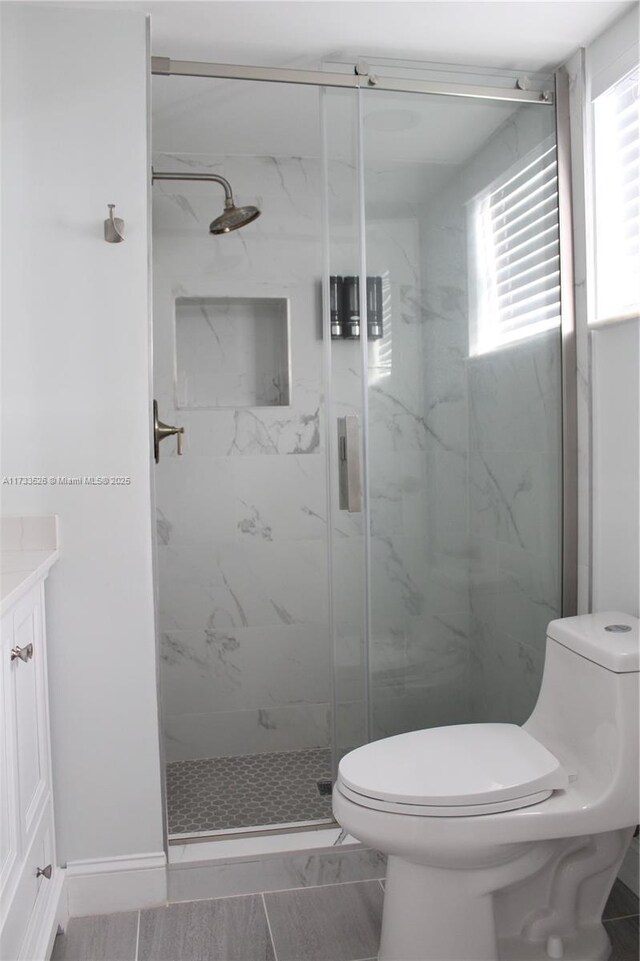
[{"x": 611, "y": 321}]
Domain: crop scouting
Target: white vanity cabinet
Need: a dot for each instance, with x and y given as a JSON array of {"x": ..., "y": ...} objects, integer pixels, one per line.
[{"x": 30, "y": 880}]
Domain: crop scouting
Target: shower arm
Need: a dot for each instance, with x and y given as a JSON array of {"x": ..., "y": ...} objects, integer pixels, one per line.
[{"x": 214, "y": 178}]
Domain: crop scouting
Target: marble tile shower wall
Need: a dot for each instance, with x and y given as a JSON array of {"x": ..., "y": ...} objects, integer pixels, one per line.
[
  {"x": 242, "y": 555},
  {"x": 417, "y": 416},
  {"x": 245, "y": 658},
  {"x": 406, "y": 657},
  {"x": 493, "y": 500},
  {"x": 514, "y": 494}
]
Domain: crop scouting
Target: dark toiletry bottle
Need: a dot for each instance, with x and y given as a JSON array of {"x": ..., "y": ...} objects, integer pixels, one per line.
[
  {"x": 374, "y": 308},
  {"x": 335, "y": 299},
  {"x": 351, "y": 305}
]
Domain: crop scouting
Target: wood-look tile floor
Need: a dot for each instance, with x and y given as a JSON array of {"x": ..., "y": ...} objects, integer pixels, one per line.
[{"x": 336, "y": 922}]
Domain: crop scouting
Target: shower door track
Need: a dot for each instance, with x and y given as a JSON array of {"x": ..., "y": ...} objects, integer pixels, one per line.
[
  {"x": 269, "y": 830},
  {"x": 164, "y": 66}
]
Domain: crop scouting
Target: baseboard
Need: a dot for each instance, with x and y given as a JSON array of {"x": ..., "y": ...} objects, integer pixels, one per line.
[
  {"x": 630, "y": 868},
  {"x": 105, "y": 885}
]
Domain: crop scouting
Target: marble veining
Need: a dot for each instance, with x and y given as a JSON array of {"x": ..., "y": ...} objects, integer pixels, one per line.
[
  {"x": 493, "y": 498},
  {"x": 163, "y": 527},
  {"x": 252, "y": 435},
  {"x": 253, "y": 525},
  {"x": 405, "y": 426}
]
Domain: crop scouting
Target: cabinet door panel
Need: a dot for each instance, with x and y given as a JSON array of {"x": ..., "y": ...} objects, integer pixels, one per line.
[
  {"x": 8, "y": 762},
  {"x": 30, "y": 701},
  {"x": 30, "y": 889}
]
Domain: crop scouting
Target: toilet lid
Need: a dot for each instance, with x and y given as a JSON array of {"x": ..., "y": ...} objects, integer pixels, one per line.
[{"x": 464, "y": 764}]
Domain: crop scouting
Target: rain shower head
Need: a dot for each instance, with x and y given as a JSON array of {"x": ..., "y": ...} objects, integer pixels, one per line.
[{"x": 232, "y": 217}]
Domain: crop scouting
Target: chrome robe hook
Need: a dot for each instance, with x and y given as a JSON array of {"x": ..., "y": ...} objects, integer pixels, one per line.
[{"x": 113, "y": 227}]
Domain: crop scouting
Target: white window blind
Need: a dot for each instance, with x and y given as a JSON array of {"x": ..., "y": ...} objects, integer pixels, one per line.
[
  {"x": 516, "y": 254},
  {"x": 617, "y": 196}
]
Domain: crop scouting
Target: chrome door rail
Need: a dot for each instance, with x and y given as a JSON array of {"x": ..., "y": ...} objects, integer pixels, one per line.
[
  {"x": 568, "y": 349},
  {"x": 165, "y": 67}
]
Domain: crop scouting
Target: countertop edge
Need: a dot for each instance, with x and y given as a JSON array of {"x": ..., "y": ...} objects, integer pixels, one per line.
[{"x": 30, "y": 579}]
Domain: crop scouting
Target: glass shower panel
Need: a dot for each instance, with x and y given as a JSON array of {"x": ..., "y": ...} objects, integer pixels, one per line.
[
  {"x": 245, "y": 634},
  {"x": 464, "y": 407}
]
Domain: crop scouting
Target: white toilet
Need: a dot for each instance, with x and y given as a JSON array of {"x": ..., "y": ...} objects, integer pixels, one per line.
[{"x": 503, "y": 842}]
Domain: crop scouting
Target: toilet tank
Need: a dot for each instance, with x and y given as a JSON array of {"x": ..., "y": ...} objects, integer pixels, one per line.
[
  {"x": 610, "y": 639},
  {"x": 587, "y": 712}
]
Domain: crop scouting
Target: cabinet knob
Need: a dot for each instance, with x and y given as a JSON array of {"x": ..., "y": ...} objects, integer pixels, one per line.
[
  {"x": 44, "y": 872},
  {"x": 23, "y": 653}
]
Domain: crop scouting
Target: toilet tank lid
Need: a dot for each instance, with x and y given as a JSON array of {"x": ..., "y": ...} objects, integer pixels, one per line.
[{"x": 609, "y": 638}]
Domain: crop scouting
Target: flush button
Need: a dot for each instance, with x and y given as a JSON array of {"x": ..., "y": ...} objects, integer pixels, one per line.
[{"x": 617, "y": 628}]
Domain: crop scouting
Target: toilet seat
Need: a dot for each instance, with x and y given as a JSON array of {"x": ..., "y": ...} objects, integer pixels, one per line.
[{"x": 457, "y": 771}]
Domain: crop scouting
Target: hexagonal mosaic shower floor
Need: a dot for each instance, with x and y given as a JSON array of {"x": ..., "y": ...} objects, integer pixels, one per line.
[{"x": 252, "y": 790}]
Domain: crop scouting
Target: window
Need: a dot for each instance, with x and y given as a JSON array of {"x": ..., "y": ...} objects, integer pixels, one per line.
[
  {"x": 516, "y": 254},
  {"x": 617, "y": 185}
]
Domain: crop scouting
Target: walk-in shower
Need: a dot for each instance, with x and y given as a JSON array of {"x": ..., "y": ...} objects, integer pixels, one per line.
[{"x": 293, "y": 625}]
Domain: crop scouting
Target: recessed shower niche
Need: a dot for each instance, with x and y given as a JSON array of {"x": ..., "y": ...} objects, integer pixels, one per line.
[{"x": 232, "y": 352}]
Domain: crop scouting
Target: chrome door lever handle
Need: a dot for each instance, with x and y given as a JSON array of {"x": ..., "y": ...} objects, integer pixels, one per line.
[{"x": 162, "y": 431}]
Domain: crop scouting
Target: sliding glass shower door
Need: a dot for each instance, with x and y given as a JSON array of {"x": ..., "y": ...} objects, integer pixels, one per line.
[
  {"x": 454, "y": 563},
  {"x": 243, "y": 572}
]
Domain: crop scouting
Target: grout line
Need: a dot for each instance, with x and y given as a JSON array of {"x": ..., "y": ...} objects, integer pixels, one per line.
[
  {"x": 311, "y": 887},
  {"x": 253, "y": 894},
  {"x": 138, "y": 936},
  {"x": 266, "y": 914},
  {"x": 381, "y": 880}
]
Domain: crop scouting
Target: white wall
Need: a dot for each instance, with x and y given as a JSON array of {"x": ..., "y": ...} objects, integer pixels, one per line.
[
  {"x": 615, "y": 392},
  {"x": 615, "y": 371},
  {"x": 76, "y": 400},
  {"x": 614, "y": 53}
]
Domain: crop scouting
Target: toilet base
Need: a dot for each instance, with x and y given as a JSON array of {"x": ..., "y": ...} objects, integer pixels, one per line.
[
  {"x": 439, "y": 914},
  {"x": 589, "y": 943},
  {"x": 431, "y": 914},
  {"x": 486, "y": 899}
]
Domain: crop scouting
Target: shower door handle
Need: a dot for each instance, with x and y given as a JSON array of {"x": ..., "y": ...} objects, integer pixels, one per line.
[
  {"x": 349, "y": 464},
  {"x": 162, "y": 431}
]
